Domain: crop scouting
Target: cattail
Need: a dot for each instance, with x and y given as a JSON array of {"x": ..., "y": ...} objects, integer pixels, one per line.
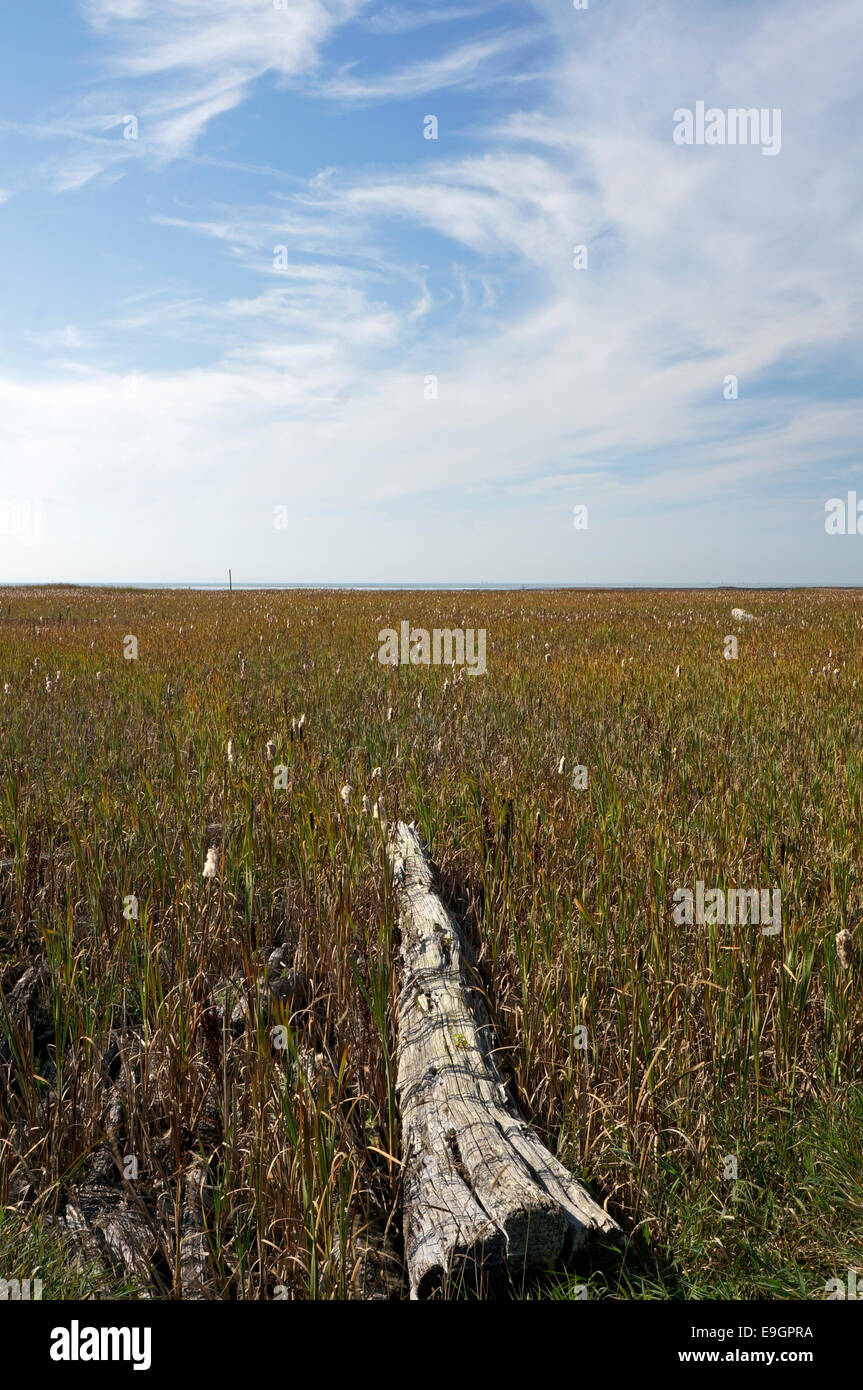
[
  {"x": 548, "y": 656},
  {"x": 346, "y": 793},
  {"x": 231, "y": 751},
  {"x": 365, "y": 805},
  {"x": 7, "y": 689},
  {"x": 677, "y": 673},
  {"x": 98, "y": 675},
  {"x": 48, "y": 686},
  {"x": 376, "y": 772},
  {"x": 420, "y": 700},
  {"x": 561, "y": 766},
  {"x": 375, "y": 812},
  {"x": 211, "y": 864},
  {"x": 390, "y": 713},
  {"x": 845, "y": 948},
  {"x": 271, "y": 750}
]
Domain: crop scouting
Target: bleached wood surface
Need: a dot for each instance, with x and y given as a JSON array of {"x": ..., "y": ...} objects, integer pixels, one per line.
[{"x": 481, "y": 1190}]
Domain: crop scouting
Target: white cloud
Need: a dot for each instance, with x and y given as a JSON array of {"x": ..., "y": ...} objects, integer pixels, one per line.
[
  {"x": 394, "y": 20},
  {"x": 178, "y": 65},
  {"x": 703, "y": 263},
  {"x": 469, "y": 64},
  {"x": 68, "y": 337}
]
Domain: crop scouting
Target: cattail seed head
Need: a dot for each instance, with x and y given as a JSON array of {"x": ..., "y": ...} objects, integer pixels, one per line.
[{"x": 845, "y": 948}]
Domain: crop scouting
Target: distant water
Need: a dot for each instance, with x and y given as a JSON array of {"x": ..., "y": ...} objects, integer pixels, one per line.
[
  {"x": 448, "y": 586},
  {"x": 443, "y": 586}
]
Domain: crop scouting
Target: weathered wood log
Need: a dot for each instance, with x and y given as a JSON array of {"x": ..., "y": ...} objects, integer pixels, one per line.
[{"x": 481, "y": 1192}]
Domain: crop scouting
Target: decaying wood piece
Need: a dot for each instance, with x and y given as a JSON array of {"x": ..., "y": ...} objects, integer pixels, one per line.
[
  {"x": 26, "y": 1021},
  {"x": 480, "y": 1189},
  {"x": 108, "y": 1224},
  {"x": 196, "y": 1263}
]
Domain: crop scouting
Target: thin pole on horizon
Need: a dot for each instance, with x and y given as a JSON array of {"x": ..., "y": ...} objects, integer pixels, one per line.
[{"x": 230, "y": 582}]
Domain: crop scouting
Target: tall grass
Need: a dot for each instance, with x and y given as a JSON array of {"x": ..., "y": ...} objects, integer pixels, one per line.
[{"x": 702, "y": 1042}]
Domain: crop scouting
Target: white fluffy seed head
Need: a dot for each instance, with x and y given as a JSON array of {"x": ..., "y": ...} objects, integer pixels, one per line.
[{"x": 845, "y": 948}]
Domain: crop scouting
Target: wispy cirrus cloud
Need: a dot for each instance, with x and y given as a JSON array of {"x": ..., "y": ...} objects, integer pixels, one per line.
[
  {"x": 470, "y": 64},
  {"x": 395, "y": 19},
  {"x": 553, "y": 384},
  {"x": 178, "y": 65}
]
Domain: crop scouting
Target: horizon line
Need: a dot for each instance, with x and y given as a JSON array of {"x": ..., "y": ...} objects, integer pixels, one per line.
[{"x": 439, "y": 586}]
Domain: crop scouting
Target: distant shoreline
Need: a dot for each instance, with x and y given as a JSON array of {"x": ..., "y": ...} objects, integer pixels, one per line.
[{"x": 443, "y": 587}]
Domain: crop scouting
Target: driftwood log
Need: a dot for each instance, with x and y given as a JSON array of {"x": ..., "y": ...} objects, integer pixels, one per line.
[{"x": 481, "y": 1192}]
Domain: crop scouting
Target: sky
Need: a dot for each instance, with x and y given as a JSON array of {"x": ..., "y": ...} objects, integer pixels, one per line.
[{"x": 254, "y": 315}]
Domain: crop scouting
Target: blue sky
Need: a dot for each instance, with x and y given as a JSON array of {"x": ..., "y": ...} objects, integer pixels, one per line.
[{"x": 165, "y": 385}]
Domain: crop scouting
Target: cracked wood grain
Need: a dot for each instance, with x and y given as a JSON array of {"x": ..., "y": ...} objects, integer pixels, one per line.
[{"x": 481, "y": 1191}]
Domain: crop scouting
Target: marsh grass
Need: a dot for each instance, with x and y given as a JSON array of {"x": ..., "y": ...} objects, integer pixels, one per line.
[{"x": 702, "y": 1041}]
